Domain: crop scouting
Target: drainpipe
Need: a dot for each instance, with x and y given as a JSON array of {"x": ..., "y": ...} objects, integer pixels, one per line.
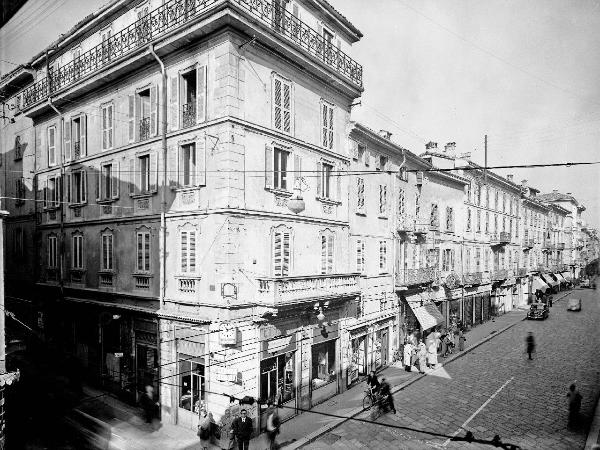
[{"x": 163, "y": 199}]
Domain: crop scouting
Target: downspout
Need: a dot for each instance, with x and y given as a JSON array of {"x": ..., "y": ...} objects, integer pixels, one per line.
[{"x": 163, "y": 198}]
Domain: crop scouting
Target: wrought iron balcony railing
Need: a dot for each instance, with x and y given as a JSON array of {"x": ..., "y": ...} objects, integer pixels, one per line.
[
  {"x": 144, "y": 128},
  {"x": 411, "y": 277},
  {"x": 178, "y": 13},
  {"x": 189, "y": 114},
  {"x": 499, "y": 274},
  {"x": 421, "y": 226},
  {"x": 288, "y": 290},
  {"x": 405, "y": 224},
  {"x": 76, "y": 150},
  {"x": 500, "y": 238},
  {"x": 473, "y": 278}
]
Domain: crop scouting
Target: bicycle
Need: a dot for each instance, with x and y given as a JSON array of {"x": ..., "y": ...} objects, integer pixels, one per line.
[
  {"x": 378, "y": 407},
  {"x": 369, "y": 399}
]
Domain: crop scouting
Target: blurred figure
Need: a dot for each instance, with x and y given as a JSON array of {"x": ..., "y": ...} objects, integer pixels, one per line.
[
  {"x": 273, "y": 424},
  {"x": 373, "y": 382},
  {"x": 530, "y": 344},
  {"x": 386, "y": 394},
  {"x": 148, "y": 404},
  {"x": 574, "y": 398},
  {"x": 408, "y": 353},
  {"x": 461, "y": 340},
  {"x": 422, "y": 354},
  {"x": 204, "y": 429}
]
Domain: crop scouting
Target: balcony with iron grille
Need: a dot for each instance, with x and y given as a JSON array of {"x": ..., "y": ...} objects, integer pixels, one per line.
[
  {"x": 412, "y": 277},
  {"x": 422, "y": 226},
  {"x": 188, "y": 112},
  {"x": 282, "y": 291},
  {"x": 499, "y": 274},
  {"x": 405, "y": 224},
  {"x": 144, "y": 128},
  {"x": 76, "y": 150},
  {"x": 501, "y": 238},
  {"x": 185, "y": 21},
  {"x": 473, "y": 278}
]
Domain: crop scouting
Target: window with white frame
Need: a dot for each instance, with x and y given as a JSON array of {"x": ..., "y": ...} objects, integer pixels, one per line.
[
  {"x": 449, "y": 219},
  {"x": 282, "y": 104},
  {"x": 188, "y": 165},
  {"x": 280, "y": 168},
  {"x": 324, "y": 180},
  {"x": 496, "y": 201},
  {"x": 327, "y": 125},
  {"x": 107, "y": 252},
  {"x": 77, "y": 180},
  {"x": 469, "y": 219},
  {"x": 327, "y": 249},
  {"x": 187, "y": 251},
  {"x": 52, "y": 252},
  {"x": 52, "y": 191},
  {"x": 51, "y": 142},
  {"x": 447, "y": 260},
  {"x": 109, "y": 181},
  {"x": 107, "y": 126},
  {"x": 478, "y": 221},
  {"x": 503, "y": 202},
  {"x": 77, "y": 252},
  {"x": 360, "y": 195},
  {"x": 383, "y": 257},
  {"x": 477, "y": 259},
  {"x": 281, "y": 251},
  {"x": 468, "y": 260},
  {"x": 360, "y": 256},
  {"x": 143, "y": 251},
  {"x": 382, "y": 199},
  {"x": 487, "y": 222}
]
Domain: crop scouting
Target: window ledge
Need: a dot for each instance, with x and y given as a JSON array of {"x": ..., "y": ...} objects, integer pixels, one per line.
[
  {"x": 107, "y": 272},
  {"x": 280, "y": 192},
  {"x": 106, "y": 201},
  {"x": 361, "y": 213},
  {"x": 188, "y": 276},
  {"x": 186, "y": 188},
  {"x": 77, "y": 205},
  {"x": 142, "y": 274},
  {"x": 382, "y": 216},
  {"x": 143, "y": 194},
  {"x": 77, "y": 270},
  {"x": 329, "y": 201}
]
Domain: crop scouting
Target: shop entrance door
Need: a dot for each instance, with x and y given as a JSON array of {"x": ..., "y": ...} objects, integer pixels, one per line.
[
  {"x": 384, "y": 347},
  {"x": 146, "y": 363}
]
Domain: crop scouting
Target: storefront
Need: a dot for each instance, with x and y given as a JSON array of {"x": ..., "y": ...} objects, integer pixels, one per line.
[
  {"x": 454, "y": 316},
  {"x": 468, "y": 305},
  {"x": 191, "y": 374},
  {"x": 358, "y": 356},
  {"x": 550, "y": 281},
  {"x": 380, "y": 348},
  {"x": 422, "y": 316},
  {"x": 325, "y": 365}
]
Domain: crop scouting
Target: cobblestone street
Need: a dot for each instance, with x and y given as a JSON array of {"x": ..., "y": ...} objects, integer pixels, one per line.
[{"x": 529, "y": 411}]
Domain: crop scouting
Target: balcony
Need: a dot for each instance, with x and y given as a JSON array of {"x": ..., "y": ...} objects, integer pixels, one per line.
[
  {"x": 527, "y": 243},
  {"x": 411, "y": 277},
  {"x": 500, "y": 274},
  {"x": 501, "y": 238},
  {"x": 182, "y": 14},
  {"x": 189, "y": 115},
  {"x": 290, "y": 290},
  {"x": 144, "y": 128},
  {"x": 405, "y": 224},
  {"x": 76, "y": 150},
  {"x": 421, "y": 226},
  {"x": 560, "y": 246},
  {"x": 473, "y": 278}
]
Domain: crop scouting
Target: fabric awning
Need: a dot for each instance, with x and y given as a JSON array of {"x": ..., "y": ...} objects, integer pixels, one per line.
[
  {"x": 428, "y": 315},
  {"x": 549, "y": 280},
  {"x": 567, "y": 275},
  {"x": 560, "y": 278},
  {"x": 509, "y": 282},
  {"x": 539, "y": 285}
]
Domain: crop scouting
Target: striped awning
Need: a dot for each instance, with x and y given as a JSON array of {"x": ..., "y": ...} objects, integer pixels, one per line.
[
  {"x": 428, "y": 315},
  {"x": 539, "y": 285},
  {"x": 549, "y": 280},
  {"x": 567, "y": 275},
  {"x": 560, "y": 278}
]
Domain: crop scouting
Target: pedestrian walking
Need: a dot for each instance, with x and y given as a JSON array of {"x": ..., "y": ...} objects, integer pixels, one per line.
[
  {"x": 451, "y": 343},
  {"x": 386, "y": 394},
  {"x": 207, "y": 429},
  {"x": 574, "y": 398},
  {"x": 530, "y": 344},
  {"x": 148, "y": 404},
  {"x": 242, "y": 430},
  {"x": 432, "y": 347},
  {"x": 461, "y": 341},
  {"x": 408, "y": 354},
  {"x": 444, "y": 343},
  {"x": 422, "y": 355},
  {"x": 273, "y": 425}
]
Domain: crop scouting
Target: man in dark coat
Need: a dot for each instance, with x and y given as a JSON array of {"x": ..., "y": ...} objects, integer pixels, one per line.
[
  {"x": 242, "y": 430},
  {"x": 530, "y": 343}
]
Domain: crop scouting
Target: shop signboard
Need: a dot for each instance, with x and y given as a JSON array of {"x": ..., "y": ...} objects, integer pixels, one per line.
[{"x": 228, "y": 335}]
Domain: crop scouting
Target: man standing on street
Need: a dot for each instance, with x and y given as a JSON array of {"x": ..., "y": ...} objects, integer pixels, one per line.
[
  {"x": 530, "y": 343},
  {"x": 242, "y": 430},
  {"x": 386, "y": 394},
  {"x": 574, "y": 398}
]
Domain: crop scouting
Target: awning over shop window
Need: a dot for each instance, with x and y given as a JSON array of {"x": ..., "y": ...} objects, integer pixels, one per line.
[
  {"x": 539, "y": 285},
  {"x": 549, "y": 280},
  {"x": 560, "y": 278},
  {"x": 428, "y": 315},
  {"x": 509, "y": 282}
]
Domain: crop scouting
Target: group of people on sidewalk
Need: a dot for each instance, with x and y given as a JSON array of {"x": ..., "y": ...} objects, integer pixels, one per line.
[{"x": 425, "y": 354}]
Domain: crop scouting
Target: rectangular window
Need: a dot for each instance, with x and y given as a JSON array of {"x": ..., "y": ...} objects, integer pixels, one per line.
[
  {"x": 144, "y": 106},
  {"x": 52, "y": 146},
  {"x": 433, "y": 257},
  {"x": 281, "y": 253},
  {"x": 327, "y": 125},
  {"x": 144, "y": 166},
  {"x": 401, "y": 204},
  {"x": 382, "y": 199},
  {"x": 78, "y": 187},
  {"x": 434, "y": 220},
  {"x": 477, "y": 259},
  {"x": 188, "y": 165},
  {"x": 360, "y": 195},
  {"x": 468, "y": 261},
  {"x": 360, "y": 256},
  {"x": 143, "y": 251},
  {"x": 280, "y": 169},
  {"x": 450, "y": 219},
  {"x": 363, "y": 154},
  {"x": 282, "y": 104},
  {"x": 77, "y": 255},
  {"x": 188, "y": 251},
  {"x": 52, "y": 195},
  {"x": 478, "y": 221},
  {"x": 487, "y": 222},
  {"x": 52, "y": 254},
  {"x": 20, "y": 191},
  {"x": 325, "y": 180},
  {"x": 107, "y": 252},
  {"x": 107, "y": 126},
  {"x": 417, "y": 205},
  {"x": 106, "y": 183},
  {"x": 447, "y": 260},
  {"x": 469, "y": 219},
  {"x": 327, "y": 253},
  {"x": 382, "y": 256}
]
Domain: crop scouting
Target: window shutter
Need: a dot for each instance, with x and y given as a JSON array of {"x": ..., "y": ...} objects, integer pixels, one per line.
[
  {"x": 286, "y": 260},
  {"x": 268, "y": 167},
  {"x": 330, "y": 254},
  {"x": 174, "y": 102},
  {"x": 83, "y": 186},
  {"x": 319, "y": 179},
  {"x": 287, "y": 107},
  {"x": 154, "y": 110},
  {"x": 277, "y": 259},
  {"x": 82, "y": 138},
  {"x": 104, "y": 118},
  {"x": 201, "y": 94},
  {"x": 330, "y": 127},
  {"x": 323, "y": 254},
  {"x": 360, "y": 195},
  {"x": 367, "y": 157},
  {"x": 338, "y": 183},
  {"x": 184, "y": 251},
  {"x": 297, "y": 168},
  {"x": 131, "y": 117},
  {"x": 132, "y": 176},
  {"x": 277, "y": 104},
  {"x": 153, "y": 172},
  {"x": 116, "y": 179},
  {"x": 98, "y": 184},
  {"x": 324, "y": 122},
  {"x": 173, "y": 167},
  {"x": 192, "y": 250},
  {"x": 67, "y": 138},
  {"x": 201, "y": 161}
]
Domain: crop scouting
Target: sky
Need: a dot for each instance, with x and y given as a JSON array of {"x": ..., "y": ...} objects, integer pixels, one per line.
[{"x": 526, "y": 73}]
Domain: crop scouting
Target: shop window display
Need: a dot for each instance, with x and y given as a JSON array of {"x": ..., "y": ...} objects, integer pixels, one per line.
[
  {"x": 323, "y": 364},
  {"x": 277, "y": 378},
  {"x": 358, "y": 365},
  {"x": 191, "y": 383}
]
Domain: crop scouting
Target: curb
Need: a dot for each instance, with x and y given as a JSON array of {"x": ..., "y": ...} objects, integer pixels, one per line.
[{"x": 355, "y": 412}]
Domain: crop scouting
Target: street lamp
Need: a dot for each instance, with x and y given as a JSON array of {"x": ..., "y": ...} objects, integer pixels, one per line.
[{"x": 296, "y": 203}]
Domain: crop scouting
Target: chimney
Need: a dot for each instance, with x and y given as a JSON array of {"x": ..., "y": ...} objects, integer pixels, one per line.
[
  {"x": 450, "y": 147},
  {"x": 386, "y": 134},
  {"x": 431, "y": 146},
  {"x": 510, "y": 177}
]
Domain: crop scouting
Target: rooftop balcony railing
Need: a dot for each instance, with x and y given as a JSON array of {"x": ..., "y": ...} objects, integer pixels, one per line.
[
  {"x": 412, "y": 277},
  {"x": 279, "y": 291},
  {"x": 178, "y": 13}
]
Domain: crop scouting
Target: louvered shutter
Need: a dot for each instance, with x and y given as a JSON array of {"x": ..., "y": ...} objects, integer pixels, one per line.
[
  {"x": 297, "y": 168},
  {"x": 277, "y": 104},
  {"x": 319, "y": 179},
  {"x": 153, "y": 183},
  {"x": 287, "y": 107},
  {"x": 330, "y": 241},
  {"x": 116, "y": 179},
  {"x": 68, "y": 188},
  {"x": 67, "y": 138},
  {"x": 154, "y": 110},
  {"x": 104, "y": 118},
  {"x": 192, "y": 259},
  {"x": 268, "y": 167},
  {"x": 45, "y": 192},
  {"x": 338, "y": 184},
  {"x": 83, "y": 186},
  {"x": 173, "y": 167},
  {"x": 132, "y": 176},
  {"x": 330, "y": 127},
  {"x": 277, "y": 254},
  {"x": 83, "y": 137},
  {"x": 174, "y": 102},
  {"x": 324, "y": 128},
  {"x": 286, "y": 255},
  {"x": 184, "y": 251},
  {"x": 360, "y": 195},
  {"x": 201, "y": 161},
  {"x": 323, "y": 254},
  {"x": 98, "y": 184},
  {"x": 131, "y": 117},
  {"x": 201, "y": 94}
]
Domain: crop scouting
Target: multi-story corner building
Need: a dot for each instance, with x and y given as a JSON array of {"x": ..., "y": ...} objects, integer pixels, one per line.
[
  {"x": 557, "y": 230},
  {"x": 167, "y": 140}
]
